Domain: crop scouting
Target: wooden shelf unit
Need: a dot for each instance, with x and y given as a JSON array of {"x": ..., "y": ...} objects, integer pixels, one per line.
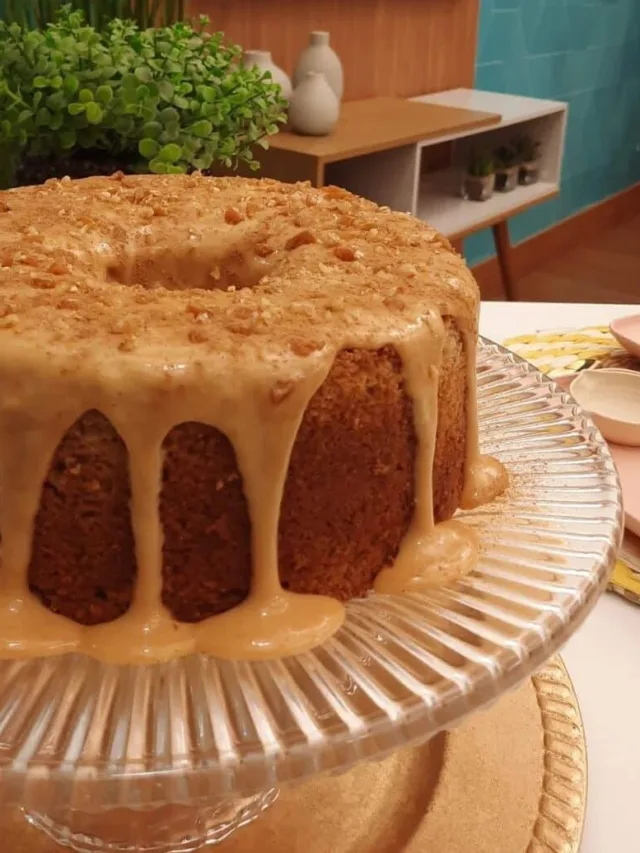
[{"x": 411, "y": 155}]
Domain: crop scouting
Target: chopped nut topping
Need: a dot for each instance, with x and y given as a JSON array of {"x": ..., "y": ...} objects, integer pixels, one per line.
[
  {"x": 127, "y": 345},
  {"x": 263, "y": 250},
  {"x": 344, "y": 253},
  {"x": 9, "y": 321},
  {"x": 240, "y": 328},
  {"x": 407, "y": 269},
  {"x": 232, "y": 216},
  {"x": 42, "y": 281},
  {"x": 4, "y": 207},
  {"x": 198, "y": 336},
  {"x": 302, "y": 238},
  {"x": 304, "y": 346}
]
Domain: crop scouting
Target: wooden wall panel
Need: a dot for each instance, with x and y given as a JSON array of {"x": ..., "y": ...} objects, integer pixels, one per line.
[{"x": 388, "y": 47}]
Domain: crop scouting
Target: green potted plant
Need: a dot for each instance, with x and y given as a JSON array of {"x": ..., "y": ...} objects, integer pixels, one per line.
[
  {"x": 78, "y": 101},
  {"x": 507, "y": 168},
  {"x": 479, "y": 180},
  {"x": 528, "y": 151}
]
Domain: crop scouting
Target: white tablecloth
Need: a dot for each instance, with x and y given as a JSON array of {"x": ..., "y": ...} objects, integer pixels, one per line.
[{"x": 604, "y": 656}]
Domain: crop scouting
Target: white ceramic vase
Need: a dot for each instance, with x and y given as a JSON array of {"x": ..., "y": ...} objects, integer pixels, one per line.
[
  {"x": 262, "y": 59},
  {"x": 319, "y": 56},
  {"x": 313, "y": 106}
]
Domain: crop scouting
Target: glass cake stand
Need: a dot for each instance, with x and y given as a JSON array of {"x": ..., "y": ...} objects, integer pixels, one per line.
[{"x": 169, "y": 757}]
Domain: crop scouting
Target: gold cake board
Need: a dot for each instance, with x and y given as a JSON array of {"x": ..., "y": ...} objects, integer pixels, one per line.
[{"x": 512, "y": 779}]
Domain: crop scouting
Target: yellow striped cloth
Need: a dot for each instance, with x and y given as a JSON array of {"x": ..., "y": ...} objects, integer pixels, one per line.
[{"x": 563, "y": 351}]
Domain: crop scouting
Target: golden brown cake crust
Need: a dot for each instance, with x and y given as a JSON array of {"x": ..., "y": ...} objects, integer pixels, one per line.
[
  {"x": 327, "y": 268},
  {"x": 149, "y": 285}
]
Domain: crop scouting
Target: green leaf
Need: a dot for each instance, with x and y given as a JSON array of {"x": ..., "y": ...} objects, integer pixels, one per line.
[
  {"x": 170, "y": 153},
  {"x": 70, "y": 84},
  {"x": 143, "y": 74},
  {"x": 125, "y": 125},
  {"x": 201, "y": 128},
  {"x": 206, "y": 93},
  {"x": 43, "y": 117},
  {"x": 85, "y": 96},
  {"x": 172, "y": 169},
  {"x": 152, "y": 129},
  {"x": 130, "y": 96},
  {"x": 57, "y": 121},
  {"x": 67, "y": 139},
  {"x": 40, "y": 82},
  {"x": 56, "y": 101},
  {"x": 94, "y": 113},
  {"x": 104, "y": 94},
  {"x": 158, "y": 167},
  {"x": 76, "y": 108},
  {"x": 169, "y": 115},
  {"x": 148, "y": 148},
  {"x": 165, "y": 90},
  {"x": 201, "y": 163},
  {"x": 181, "y": 102}
]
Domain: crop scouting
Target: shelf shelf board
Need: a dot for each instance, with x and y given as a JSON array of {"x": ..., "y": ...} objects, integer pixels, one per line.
[
  {"x": 441, "y": 205},
  {"x": 513, "y": 109},
  {"x": 378, "y": 124}
]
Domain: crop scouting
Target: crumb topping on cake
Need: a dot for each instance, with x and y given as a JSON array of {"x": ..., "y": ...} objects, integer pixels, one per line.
[{"x": 147, "y": 267}]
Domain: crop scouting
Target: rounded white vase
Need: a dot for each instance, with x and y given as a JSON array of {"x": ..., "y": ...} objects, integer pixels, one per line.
[
  {"x": 319, "y": 56},
  {"x": 262, "y": 59},
  {"x": 313, "y": 106}
]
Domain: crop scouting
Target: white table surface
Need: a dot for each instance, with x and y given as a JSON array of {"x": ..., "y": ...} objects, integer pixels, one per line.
[{"x": 603, "y": 657}]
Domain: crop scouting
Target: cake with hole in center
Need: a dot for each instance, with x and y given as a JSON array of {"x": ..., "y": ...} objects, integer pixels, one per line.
[{"x": 227, "y": 406}]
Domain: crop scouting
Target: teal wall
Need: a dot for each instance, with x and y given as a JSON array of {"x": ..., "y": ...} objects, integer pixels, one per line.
[{"x": 585, "y": 52}]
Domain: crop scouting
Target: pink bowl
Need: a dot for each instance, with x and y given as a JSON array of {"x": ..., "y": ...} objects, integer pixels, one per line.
[{"x": 626, "y": 330}]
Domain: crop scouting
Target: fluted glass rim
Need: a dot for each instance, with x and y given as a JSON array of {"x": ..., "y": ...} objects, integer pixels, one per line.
[{"x": 401, "y": 670}]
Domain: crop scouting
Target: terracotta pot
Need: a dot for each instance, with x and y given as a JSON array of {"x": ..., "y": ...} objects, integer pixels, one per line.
[
  {"x": 507, "y": 179},
  {"x": 529, "y": 172},
  {"x": 478, "y": 188}
]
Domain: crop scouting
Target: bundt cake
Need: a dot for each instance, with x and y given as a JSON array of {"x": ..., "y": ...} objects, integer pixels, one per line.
[{"x": 226, "y": 406}]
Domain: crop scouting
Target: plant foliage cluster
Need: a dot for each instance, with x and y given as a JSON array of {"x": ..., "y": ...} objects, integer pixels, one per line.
[{"x": 173, "y": 98}]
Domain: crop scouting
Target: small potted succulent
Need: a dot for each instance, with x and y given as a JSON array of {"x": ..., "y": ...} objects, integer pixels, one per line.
[
  {"x": 528, "y": 151},
  {"x": 79, "y": 101},
  {"x": 480, "y": 178},
  {"x": 507, "y": 168}
]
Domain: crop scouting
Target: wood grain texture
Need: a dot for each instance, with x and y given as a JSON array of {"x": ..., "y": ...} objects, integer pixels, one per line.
[
  {"x": 388, "y": 47},
  {"x": 593, "y": 256},
  {"x": 377, "y": 124}
]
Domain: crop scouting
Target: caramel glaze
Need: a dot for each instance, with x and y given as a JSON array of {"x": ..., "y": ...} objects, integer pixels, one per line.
[{"x": 163, "y": 300}]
